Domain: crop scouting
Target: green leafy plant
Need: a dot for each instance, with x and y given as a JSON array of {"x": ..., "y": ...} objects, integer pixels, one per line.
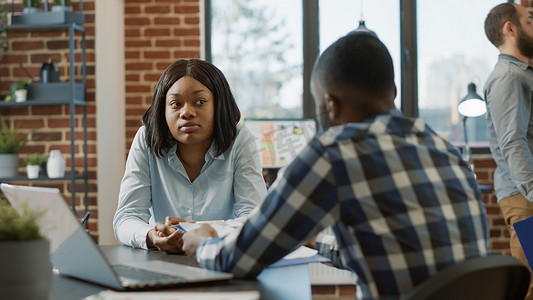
[
  {"x": 35, "y": 159},
  {"x": 58, "y": 2},
  {"x": 16, "y": 227},
  {"x": 10, "y": 139},
  {"x": 33, "y": 3},
  {"x": 15, "y": 86}
]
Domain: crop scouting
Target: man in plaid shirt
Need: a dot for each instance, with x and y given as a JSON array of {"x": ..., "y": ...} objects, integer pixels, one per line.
[{"x": 400, "y": 201}]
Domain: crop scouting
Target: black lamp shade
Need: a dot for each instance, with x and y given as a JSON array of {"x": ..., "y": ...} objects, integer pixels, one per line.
[{"x": 472, "y": 105}]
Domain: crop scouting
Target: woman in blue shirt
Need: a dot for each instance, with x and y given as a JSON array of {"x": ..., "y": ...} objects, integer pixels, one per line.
[{"x": 190, "y": 160}]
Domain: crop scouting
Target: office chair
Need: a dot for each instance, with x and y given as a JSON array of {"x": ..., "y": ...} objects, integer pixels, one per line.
[{"x": 492, "y": 277}]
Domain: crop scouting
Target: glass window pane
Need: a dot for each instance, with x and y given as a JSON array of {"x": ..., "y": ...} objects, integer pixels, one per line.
[
  {"x": 452, "y": 52},
  {"x": 258, "y": 46},
  {"x": 338, "y": 17}
]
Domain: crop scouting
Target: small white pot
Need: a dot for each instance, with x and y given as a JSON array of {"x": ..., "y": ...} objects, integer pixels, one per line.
[
  {"x": 59, "y": 8},
  {"x": 20, "y": 95},
  {"x": 32, "y": 171}
]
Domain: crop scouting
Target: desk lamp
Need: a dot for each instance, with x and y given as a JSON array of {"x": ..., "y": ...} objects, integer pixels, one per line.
[{"x": 472, "y": 105}]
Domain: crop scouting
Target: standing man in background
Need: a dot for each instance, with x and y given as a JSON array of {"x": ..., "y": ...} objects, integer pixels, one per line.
[{"x": 509, "y": 92}]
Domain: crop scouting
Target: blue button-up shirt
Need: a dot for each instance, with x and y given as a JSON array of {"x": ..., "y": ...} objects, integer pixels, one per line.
[
  {"x": 509, "y": 96},
  {"x": 401, "y": 202},
  {"x": 229, "y": 186}
]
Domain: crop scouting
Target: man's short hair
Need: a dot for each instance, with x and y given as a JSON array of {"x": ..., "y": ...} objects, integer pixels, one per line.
[
  {"x": 357, "y": 60},
  {"x": 496, "y": 18}
]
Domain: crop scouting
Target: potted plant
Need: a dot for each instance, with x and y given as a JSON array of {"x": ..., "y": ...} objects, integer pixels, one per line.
[
  {"x": 24, "y": 255},
  {"x": 11, "y": 142},
  {"x": 18, "y": 91},
  {"x": 31, "y": 6},
  {"x": 33, "y": 163},
  {"x": 62, "y": 5}
]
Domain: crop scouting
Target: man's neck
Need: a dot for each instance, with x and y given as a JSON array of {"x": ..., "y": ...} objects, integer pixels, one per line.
[{"x": 514, "y": 52}]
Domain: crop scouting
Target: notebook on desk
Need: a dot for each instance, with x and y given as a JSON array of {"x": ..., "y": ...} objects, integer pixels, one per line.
[
  {"x": 75, "y": 254},
  {"x": 524, "y": 232}
]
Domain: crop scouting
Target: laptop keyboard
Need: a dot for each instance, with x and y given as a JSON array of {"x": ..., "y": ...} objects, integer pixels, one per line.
[{"x": 138, "y": 278}]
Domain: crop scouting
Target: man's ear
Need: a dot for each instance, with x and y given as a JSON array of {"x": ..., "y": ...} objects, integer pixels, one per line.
[
  {"x": 332, "y": 107},
  {"x": 509, "y": 29}
]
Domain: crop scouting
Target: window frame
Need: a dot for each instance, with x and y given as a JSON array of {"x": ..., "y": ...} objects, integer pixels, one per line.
[{"x": 408, "y": 58}]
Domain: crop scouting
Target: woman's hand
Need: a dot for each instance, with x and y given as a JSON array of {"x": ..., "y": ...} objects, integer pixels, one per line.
[
  {"x": 165, "y": 238},
  {"x": 171, "y": 221}
]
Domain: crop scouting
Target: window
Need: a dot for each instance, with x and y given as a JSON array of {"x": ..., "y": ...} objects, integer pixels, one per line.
[
  {"x": 452, "y": 52},
  {"x": 338, "y": 17},
  {"x": 260, "y": 47},
  {"x": 257, "y": 44}
]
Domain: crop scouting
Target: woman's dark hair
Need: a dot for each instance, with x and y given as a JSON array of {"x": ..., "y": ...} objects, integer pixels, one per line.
[
  {"x": 227, "y": 114},
  {"x": 495, "y": 20}
]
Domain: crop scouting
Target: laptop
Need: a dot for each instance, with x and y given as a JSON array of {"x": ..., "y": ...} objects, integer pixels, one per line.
[
  {"x": 523, "y": 230},
  {"x": 69, "y": 242}
]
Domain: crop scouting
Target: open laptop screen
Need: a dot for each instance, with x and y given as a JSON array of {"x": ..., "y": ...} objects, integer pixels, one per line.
[{"x": 280, "y": 140}]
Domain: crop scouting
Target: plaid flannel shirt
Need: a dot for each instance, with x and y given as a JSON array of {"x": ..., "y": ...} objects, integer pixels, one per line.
[{"x": 401, "y": 203}]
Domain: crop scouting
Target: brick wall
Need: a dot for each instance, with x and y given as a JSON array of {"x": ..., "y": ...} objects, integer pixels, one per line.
[
  {"x": 50, "y": 125},
  {"x": 484, "y": 167},
  {"x": 157, "y": 32}
]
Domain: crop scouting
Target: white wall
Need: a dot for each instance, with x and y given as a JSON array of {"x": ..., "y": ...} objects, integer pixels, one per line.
[{"x": 110, "y": 111}]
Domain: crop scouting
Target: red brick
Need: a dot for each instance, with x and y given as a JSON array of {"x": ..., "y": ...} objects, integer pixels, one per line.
[
  {"x": 495, "y": 233},
  {"x": 323, "y": 290},
  {"x": 156, "y": 54},
  {"x": 132, "y": 54},
  {"x": 186, "y": 54},
  {"x": 143, "y": 43},
  {"x": 46, "y": 110},
  {"x": 47, "y": 136},
  {"x": 47, "y": 34},
  {"x": 499, "y": 245},
  {"x": 138, "y": 66},
  {"x": 195, "y": 43},
  {"x": 11, "y": 58},
  {"x": 27, "y": 45},
  {"x": 19, "y": 72},
  {"x": 132, "y": 10},
  {"x": 138, "y": 88},
  {"x": 166, "y": 20},
  {"x": 185, "y": 31},
  {"x": 132, "y": 77},
  {"x": 192, "y": 20},
  {"x": 136, "y": 21},
  {"x": 62, "y": 44},
  {"x": 186, "y": 9},
  {"x": 32, "y": 124},
  {"x": 157, "y": 32},
  {"x": 152, "y": 77},
  {"x": 157, "y": 9},
  {"x": 167, "y": 43},
  {"x": 347, "y": 290},
  {"x": 135, "y": 111},
  {"x": 60, "y": 123},
  {"x": 129, "y": 32},
  {"x": 162, "y": 65},
  {"x": 133, "y": 100},
  {"x": 485, "y": 164}
]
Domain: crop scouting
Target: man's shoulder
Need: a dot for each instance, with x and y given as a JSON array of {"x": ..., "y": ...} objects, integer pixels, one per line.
[{"x": 393, "y": 123}]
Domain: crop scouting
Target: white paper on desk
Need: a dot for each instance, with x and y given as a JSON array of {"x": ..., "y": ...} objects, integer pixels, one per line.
[
  {"x": 222, "y": 228},
  {"x": 166, "y": 295},
  {"x": 301, "y": 252}
]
